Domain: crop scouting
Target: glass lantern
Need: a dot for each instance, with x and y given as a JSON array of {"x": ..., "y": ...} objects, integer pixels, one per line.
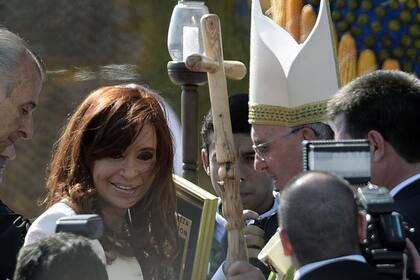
[{"x": 184, "y": 35}]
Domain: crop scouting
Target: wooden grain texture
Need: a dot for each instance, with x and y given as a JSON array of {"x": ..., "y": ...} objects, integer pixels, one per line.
[
  {"x": 201, "y": 63},
  {"x": 234, "y": 70},
  {"x": 225, "y": 152}
]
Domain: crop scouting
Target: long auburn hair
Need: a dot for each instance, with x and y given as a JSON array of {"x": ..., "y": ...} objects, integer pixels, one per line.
[{"x": 106, "y": 122}]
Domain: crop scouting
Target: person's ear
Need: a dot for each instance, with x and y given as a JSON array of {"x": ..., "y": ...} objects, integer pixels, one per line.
[
  {"x": 205, "y": 161},
  {"x": 362, "y": 226},
  {"x": 308, "y": 134},
  {"x": 377, "y": 145},
  {"x": 285, "y": 242}
]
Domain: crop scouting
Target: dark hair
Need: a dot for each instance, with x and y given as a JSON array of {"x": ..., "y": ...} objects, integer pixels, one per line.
[
  {"x": 238, "y": 107},
  {"x": 385, "y": 101},
  {"x": 105, "y": 124},
  {"x": 60, "y": 256},
  {"x": 319, "y": 213}
]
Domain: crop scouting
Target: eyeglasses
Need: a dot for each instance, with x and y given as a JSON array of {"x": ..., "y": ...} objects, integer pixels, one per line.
[{"x": 262, "y": 150}]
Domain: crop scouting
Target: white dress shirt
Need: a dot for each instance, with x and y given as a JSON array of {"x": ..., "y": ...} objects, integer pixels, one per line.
[{"x": 404, "y": 184}]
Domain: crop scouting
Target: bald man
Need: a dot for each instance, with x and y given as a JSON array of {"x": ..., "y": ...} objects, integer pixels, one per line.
[{"x": 320, "y": 230}]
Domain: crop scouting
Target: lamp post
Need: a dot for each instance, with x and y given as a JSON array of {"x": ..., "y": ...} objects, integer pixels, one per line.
[{"x": 184, "y": 39}]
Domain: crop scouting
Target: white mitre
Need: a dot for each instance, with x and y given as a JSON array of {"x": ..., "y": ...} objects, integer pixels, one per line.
[{"x": 290, "y": 83}]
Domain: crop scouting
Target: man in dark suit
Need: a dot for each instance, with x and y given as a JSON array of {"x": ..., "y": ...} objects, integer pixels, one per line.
[
  {"x": 21, "y": 78},
  {"x": 384, "y": 107},
  {"x": 320, "y": 230}
]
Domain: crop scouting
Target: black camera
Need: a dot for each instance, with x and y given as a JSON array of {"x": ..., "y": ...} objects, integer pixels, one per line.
[
  {"x": 385, "y": 242},
  {"x": 350, "y": 159},
  {"x": 90, "y": 226}
]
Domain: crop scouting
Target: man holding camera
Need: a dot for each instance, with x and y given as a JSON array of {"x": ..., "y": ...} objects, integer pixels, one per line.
[
  {"x": 327, "y": 247},
  {"x": 384, "y": 107},
  {"x": 320, "y": 248}
]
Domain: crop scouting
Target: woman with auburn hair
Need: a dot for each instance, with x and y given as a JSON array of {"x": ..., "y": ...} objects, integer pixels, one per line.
[{"x": 115, "y": 159}]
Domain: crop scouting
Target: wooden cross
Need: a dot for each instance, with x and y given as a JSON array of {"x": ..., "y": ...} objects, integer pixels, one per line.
[{"x": 217, "y": 69}]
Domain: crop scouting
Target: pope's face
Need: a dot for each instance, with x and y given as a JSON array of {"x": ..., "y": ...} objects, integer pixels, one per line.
[{"x": 280, "y": 152}]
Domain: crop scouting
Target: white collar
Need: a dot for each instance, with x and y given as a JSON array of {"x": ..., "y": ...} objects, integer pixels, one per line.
[
  {"x": 404, "y": 184},
  {"x": 273, "y": 208},
  {"x": 312, "y": 266}
]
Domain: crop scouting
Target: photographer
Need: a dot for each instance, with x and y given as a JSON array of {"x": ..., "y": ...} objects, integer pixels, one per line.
[
  {"x": 320, "y": 230},
  {"x": 383, "y": 107}
]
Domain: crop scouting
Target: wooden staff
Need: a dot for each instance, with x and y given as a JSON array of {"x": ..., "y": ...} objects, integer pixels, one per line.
[{"x": 215, "y": 66}]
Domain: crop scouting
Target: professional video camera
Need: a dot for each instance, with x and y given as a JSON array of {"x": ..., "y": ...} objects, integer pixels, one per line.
[
  {"x": 350, "y": 159},
  {"x": 385, "y": 241}
]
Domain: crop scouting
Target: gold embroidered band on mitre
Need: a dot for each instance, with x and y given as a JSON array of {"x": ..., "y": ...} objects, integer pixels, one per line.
[{"x": 291, "y": 117}]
